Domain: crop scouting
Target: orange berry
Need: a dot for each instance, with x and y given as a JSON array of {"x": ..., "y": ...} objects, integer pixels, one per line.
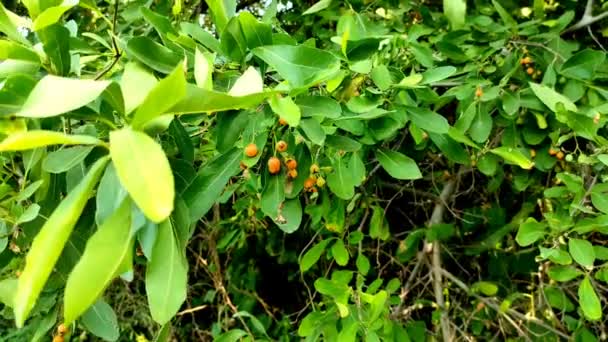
[
  {"x": 251, "y": 150},
  {"x": 58, "y": 338},
  {"x": 282, "y": 122},
  {"x": 530, "y": 70},
  {"x": 281, "y": 146},
  {"x": 62, "y": 329},
  {"x": 274, "y": 165},
  {"x": 309, "y": 183},
  {"x": 553, "y": 151},
  {"x": 479, "y": 92},
  {"x": 292, "y": 174},
  {"x": 313, "y": 189},
  {"x": 526, "y": 60},
  {"x": 560, "y": 155},
  {"x": 314, "y": 168},
  {"x": 292, "y": 164}
]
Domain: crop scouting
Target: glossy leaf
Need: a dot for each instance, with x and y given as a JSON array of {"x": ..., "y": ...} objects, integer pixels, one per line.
[
  {"x": 311, "y": 256},
  {"x": 583, "y": 64},
  {"x": 398, "y": 165},
  {"x": 529, "y": 232},
  {"x": 100, "y": 263},
  {"x": 48, "y": 243},
  {"x": 39, "y": 138},
  {"x": 101, "y": 321},
  {"x": 319, "y": 106},
  {"x": 286, "y": 109},
  {"x": 455, "y": 11},
  {"x": 249, "y": 83},
  {"x": 551, "y": 98},
  {"x": 582, "y": 252},
  {"x": 513, "y": 156},
  {"x": 200, "y": 100},
  {"x": 273, "y": 196},
  {"x": 589, "y": 301},
  {"x": 203, "y": 69},
  {"x": 152, "y": 54},
  {"x": 341, "y": 181},
  {"x": 8, "y": 27},
  {"x": 222, "y": 11},
  {"x": 62, "y": 160},
  {"x": 428, "y": 120},
  {"x": 52, "y": 14},
  {"x": 317, "y": 7},
  {"x": 153, "y": 191},
  {"x": 136, "y": 83}
]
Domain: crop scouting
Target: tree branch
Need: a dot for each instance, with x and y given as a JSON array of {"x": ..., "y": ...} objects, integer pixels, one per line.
[{"x": 587, "y": 18}]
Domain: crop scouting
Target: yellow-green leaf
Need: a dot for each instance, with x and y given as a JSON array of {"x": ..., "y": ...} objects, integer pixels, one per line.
[
  {"x": 588, "y": 300},
  {"x": 144, "y": 171},
  {"x": 513, "y": 156},
  {"x": 33, "y": 139}
]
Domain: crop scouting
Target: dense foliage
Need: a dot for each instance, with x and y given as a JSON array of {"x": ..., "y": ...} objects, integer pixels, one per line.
[{"x": 303, "y": 170}]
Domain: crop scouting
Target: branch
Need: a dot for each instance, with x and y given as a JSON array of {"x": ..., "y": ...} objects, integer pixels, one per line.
[{"x": 587, "y": 18}]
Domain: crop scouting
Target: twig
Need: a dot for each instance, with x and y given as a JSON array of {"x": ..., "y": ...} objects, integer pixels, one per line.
[
  {"x": 191, "y": 310},
  {"x": 587, "y": 18}
]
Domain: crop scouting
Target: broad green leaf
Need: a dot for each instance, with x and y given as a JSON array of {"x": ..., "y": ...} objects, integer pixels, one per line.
[
  {"x": 411, "y": 81},
  {"x": 233, "y": 41},
  {"x": 256, "y": 33},
  {"x": 200, "y": 100},
  {"x": 556, "y": 255},
  {"x": 341, "y": 181},
  {"x": 203, "y": 69},
  {"x": 273, "y": 196},
  {"x": 33, "y": 139},
  {"x": 232, "y": 335},
  {"x": 582, "y": 252},
  {"x": 153, "y": 191},
  {"x": 551, "y": 98},
  {"x": 168, "y": 92},
  {"x": 313, "y": 131},
  {"x": 357, "y": 169},
  {"x": 340, "y": 253},
  {"x": 583, "y": 64},
  {"x": 382, "y": 77},
  {"x": 28, "y": 214},
  {"x": 55, "y": 41},
  {"x": 505, "y": 16},
  {"x": 201, "y": 35},
  {"x": 342, "y": 143},
  {"x": 8, "y": 27},
  {"x": 302, "y": 66},
  {"x": 437, "y": 74},
  {"x": 513, "y": 156},
  {"x": 563, "y": 273},
  {"x": 290, "y": 215},
  {"x": 456, "y": 11},
  {"x": 588, "y": 300},
  {"x": 310, "y": 258},
  {"x": 286, "y": 109},
  {"x": 209, "y": 183},
  {"x": 166, "y": 275},
  {"x": 428, "y": 120},
  {"x": 249, "y": 83},
  {"x": 320, "y": 106},
  {"x": 100, "y": 320},
  {"x": 62, "y": 160},
  {"x": 136, "y": 83},
  {"x": 48, "y": 98},
  {"x": 529, "y": 232},
  {"x": 398, "y": 165},
  {"x": 317, "y": 7},
  {"x": 485, "y": 287},
  {"x": 8, "y": 288},
  {"x": 152, "y": 54},
  {"x": 221, "y": 11},
  {"x": 48, "y": 243},
  {"x": 99, "y": 264},
  {"x": 599, "y": 197},
  {"x": 378, "y": 226},
  {"x": 52, "y": 15},
  {"x": 558, "y": 299},
  {"x": 110, "y": 195}
]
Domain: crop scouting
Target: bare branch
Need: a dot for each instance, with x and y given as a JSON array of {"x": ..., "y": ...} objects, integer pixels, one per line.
[{"x": 587, "y": 19}]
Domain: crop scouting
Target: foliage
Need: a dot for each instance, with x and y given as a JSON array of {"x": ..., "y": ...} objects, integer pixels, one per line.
[{"x": 378, "y": 170}]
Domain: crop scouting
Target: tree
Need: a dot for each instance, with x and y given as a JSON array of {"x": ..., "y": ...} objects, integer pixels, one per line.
[{"x": 324, "y": 170}]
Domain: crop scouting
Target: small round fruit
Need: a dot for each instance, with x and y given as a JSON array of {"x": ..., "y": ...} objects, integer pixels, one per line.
[
  {"x": 560, "y": 155},
  {"x": 553, "y": 151},
  {"x": 292, "y": 174},
  {"x": 526, "y": 60},
  {"x": 478, "y": 92},
  {"x": 530, "y": 70},
  {"x": 569, "y": 157},
  {"x": 309, "y": 183},
  {"x": 251, "y": 150},
  {"x": 314, "y": 168},
  {"x": 320, "y": 182},
  {"x": 532, "y": 153},
  {"x": 62, "y": 329},
  {"x": 281, "y": 146},
  {"x": 282, "y": 122},
  {"x": 292, "y": 164},
  {"x": 58, "y": 338},
  {"x": 274, "y": 165}
]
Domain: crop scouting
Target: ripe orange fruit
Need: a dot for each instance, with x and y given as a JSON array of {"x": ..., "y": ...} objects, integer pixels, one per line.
[
  {"x": 309, "y": 183},
  {"x": 282, "y": 122},
  {"x": 292, "y": 164},
  {"x": 526, "y": 60},
  {"x": 478, "y": 92},
  {"x": 530, "y": 70},
  {"x": 58, "y": 338},
  {"x": 251, "y": 150},
  {"x": 559, "y": 155},
  {"x": 292, "y": 174},
  {"x": 62, "y": 329},
  {"x": 281, "y": 146},
  {"x": 274, "y": 165},
  {"x": 553, "y": 151}
]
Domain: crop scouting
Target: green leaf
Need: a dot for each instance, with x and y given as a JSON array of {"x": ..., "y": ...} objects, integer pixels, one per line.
[
  {"x": 563, "y": 273},
  {"x": 456, "y": 11},
  {"x": 340, "y": 253},
  {"x": 340, "y": 181},
  {"x": 256, "y": 33},
  {"x": 529, "y": 232},
  {"x": 100, "y": 320},
  {"x": 505, "y": 16},
  {"x": 583, "y": 64},
  {"x": 428, "y": 120},
  {"x": 48, "y": 96},
  {"x": 291, "y": 216},
  {"x": 55, "y": 41},
  {"x": 342, "y": 143},
  {"x": 221, "y": 11},
  {"x": 285, "y": 108},
  {"x": 136, "y": 83},
  {"x": 153, "y": 191},
  {"x": 302, "y": 66},
  {"x": 62, "y": 160},
  {"x": 203, "y": 69},
  {"x": 558, "y": 299},
  {"x": 398, "y": 165},
  {"x": 9, "y": 28},
  {"x": 513, "y": 156},
  {"x": 166, "y": 94},
  {"x": 582, "y": 252},
  {"x": 166, "y": 275},
  {"x": 313, "y": 131},
  {"x": 152, "y": 54},
  {"x": 485, "y": 287},
  {"x": 599, "y": 197},
  {"x": 200, "y": 100},
  {"x": 33, "y": 139},
  {"x": 588, "y": 300},
  {"x": 382, "y": 77},
  {"x": 556, "y": 255},
  {"x": 378, "y": 226},
  {"x": 209, "y": 183},
  {"x": 551, "y": 98},
  {"x": 8, "y": 288},
  {"x": 53, "y": 14},
  {"x": 317, "y": 7},
  {"x": 320, "y": 106},
  {"x": 437, "y": 74},
  {"x": 48, "y": 243},
  {"x": 232, "y": 335},
  {"x": 273, "y": 196},
  {"x": 100, "y": 263},
  {"x": 311, "y": 256},
  {"x": 110, "y": 195}
]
